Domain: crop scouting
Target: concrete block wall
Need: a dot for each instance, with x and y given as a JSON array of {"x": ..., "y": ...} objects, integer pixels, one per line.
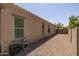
[
  {"x": 74, "y": 39},
  {"x": 62, "y": 31},
  {"x": 72, "y": 34},
  {"x": 78, "y": 40}
]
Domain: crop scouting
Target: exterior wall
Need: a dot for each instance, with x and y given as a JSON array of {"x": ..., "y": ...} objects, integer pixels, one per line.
[
  {"x": 32, "y": 26},
  {"x": 7, "y": 29},
  {"x": 52, "y": 29},
  {"x": 33, "y": 30},
  {"x": 0, "y": 29}
]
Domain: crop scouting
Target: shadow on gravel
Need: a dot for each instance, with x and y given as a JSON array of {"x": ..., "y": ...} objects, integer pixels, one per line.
[{"x": 33, "y": 46}]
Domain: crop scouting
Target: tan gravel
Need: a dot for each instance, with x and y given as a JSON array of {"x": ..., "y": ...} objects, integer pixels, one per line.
[{"x": 58, "y": 45}]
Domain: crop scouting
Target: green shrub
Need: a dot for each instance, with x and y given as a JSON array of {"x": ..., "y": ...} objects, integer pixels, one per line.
[{"x": 73, "y": 21}]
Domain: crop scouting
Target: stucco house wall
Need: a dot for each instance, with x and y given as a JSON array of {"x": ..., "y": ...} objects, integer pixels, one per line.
[{"x": 32, "y": 26}]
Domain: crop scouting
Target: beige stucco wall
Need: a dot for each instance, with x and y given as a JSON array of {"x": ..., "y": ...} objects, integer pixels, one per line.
[
  {"x": 0, "y": 30},
  {"x": 52, "y": 29},
  {"x": 32, "y": 30},
  {"x": 7, "y": 29},
  {"x": 32, "y": 26}
]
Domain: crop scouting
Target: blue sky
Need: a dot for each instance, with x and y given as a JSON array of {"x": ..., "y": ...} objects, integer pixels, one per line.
[{"x": 52, "y": 12}]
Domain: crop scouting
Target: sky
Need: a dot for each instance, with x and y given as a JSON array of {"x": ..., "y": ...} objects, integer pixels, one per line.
[{"x": 52, "y": 12}]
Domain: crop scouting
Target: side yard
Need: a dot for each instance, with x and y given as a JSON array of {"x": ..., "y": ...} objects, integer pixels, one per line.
[{"x": 54, "y": 46}]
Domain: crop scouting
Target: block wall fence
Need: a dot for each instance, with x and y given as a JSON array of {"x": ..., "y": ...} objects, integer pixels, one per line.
[{"x": 74, "y": 39}]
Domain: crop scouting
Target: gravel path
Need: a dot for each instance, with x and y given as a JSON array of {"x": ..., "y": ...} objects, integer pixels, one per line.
[{"x": 55, "y": 46}]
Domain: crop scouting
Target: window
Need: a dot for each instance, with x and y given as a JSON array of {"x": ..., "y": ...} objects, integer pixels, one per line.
[
  {"x": 19, "y": 27},
  {"x": 48, "y": 29},
  {"x": 19, "y": 22},
  {"x": 42, "y": 28}
]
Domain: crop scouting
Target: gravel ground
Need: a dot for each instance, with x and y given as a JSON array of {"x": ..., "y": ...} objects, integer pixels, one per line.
[{"x": 58, "y": 45}]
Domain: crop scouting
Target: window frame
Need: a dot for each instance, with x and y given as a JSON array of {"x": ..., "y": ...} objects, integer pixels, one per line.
[
  {"x": 19, "y": 28},
  {"x": 49, "y": 29},
  {"x": 43, "y": 28}
]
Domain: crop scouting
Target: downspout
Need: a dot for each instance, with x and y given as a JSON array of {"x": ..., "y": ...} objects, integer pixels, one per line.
[{"x": 0, "y": 30}]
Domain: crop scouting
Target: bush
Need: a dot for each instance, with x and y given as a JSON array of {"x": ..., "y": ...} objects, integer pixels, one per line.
[{"x": 73, "y": 21}]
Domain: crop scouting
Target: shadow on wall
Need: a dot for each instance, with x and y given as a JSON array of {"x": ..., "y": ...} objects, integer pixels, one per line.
[{"x": 33, "y": 46}]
